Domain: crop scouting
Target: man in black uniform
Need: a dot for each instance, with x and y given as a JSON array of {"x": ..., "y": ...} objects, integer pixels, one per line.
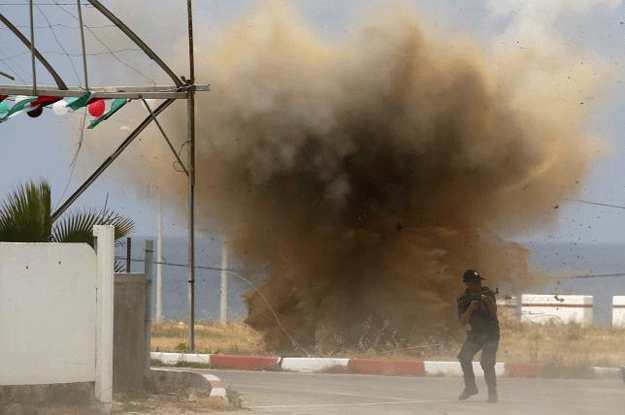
[{"x": 477, "y": 307}]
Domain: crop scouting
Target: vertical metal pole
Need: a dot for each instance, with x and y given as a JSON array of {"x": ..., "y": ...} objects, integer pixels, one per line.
[
  {"x": 159, "y": 264},
  {"x": 224, "y": 283},
  {"x": 82, "y": 39},
  {"x": 191, "y": 138},
  {"x": 149, "y": 253},
  {"x": 32, "y": 47},
  {"x": 128, "y": 253}
]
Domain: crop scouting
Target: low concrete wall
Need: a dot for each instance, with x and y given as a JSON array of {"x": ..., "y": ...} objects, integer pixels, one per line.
[{"x": 557, "y": 308}]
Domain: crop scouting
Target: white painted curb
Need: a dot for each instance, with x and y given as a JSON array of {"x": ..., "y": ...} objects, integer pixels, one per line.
[
  {"x": 306, "y": 364},
  {"x": 174, "y": 358},
  {"x": 454, "y": 368},
  {"x": 167, "y": 358}
]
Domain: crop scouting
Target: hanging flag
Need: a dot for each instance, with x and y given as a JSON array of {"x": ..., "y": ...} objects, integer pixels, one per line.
[
  {"x": 116, "y": 106},
  {"x": 44, "y": 100},
  {"x": 82, "y": 101},
  {"x": 36, "y": 107},
  {"x": 4, "y": 105},
  {"x": 18, "y": 107},
  {"x": 60, "y": 107}
]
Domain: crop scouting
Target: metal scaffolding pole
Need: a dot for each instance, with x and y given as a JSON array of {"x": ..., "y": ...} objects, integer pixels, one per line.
[
  {"x": 191, "y": 178},
  {"x": 32, "y": 47},
  {"x": 82, "y": 42}
]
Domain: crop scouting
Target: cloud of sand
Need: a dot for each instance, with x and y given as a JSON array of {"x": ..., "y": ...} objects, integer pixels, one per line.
[{"x": 367, "y": 175}]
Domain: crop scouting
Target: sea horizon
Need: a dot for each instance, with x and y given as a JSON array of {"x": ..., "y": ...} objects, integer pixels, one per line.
[{"x": 579, "y": 268}]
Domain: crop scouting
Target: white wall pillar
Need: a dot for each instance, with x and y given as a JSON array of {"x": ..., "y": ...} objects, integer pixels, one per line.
[
  {"x": 618, "y": 311},
  {"x": 104, "y": 242}
]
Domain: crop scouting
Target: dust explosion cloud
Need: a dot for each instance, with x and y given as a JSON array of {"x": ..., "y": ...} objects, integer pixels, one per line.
[{"x": 367, "y": 175}]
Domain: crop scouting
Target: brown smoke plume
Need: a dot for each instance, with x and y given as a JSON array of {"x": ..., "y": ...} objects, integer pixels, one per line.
[{"x": 367, "y": 176}]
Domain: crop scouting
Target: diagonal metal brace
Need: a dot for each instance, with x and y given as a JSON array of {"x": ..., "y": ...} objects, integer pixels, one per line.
[
  {"x": 158, "y": 124},
  {"x": 109, "y": 160}
]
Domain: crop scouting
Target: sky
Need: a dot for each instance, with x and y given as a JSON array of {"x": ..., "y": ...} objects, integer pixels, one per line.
[{"x": 45, "y": 147}]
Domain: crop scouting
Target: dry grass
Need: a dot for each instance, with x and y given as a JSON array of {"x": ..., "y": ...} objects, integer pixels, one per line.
[
  {"x": 561, "y": 344},
  {"x": 567, "y": 345},
  {"x": 210, "y": 337}
]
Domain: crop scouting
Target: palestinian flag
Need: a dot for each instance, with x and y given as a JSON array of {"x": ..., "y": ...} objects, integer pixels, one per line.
[
  {"x": 4, "y": 105},
  {"x": 18, "y": 107},
  {"x": 82, "y": 101},
  {"x": 36, "y": 107},
  {"x": 115, "y": 106}
]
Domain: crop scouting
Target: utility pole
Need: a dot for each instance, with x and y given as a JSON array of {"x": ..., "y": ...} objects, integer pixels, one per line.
[{"x": 224, "y": 283}]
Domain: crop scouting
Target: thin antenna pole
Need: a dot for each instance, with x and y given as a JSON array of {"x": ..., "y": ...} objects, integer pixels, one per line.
[
  {"x": 223, "y": 311},
  {"x": 191, "y": 177},
  {"x": 82, "y": 40},
  {"x": 159, "y": 262},
  {"x": 32, "y": 46}
]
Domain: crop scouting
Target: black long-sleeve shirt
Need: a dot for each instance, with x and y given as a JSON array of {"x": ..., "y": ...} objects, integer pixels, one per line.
[{"x": 484, "y": 325}]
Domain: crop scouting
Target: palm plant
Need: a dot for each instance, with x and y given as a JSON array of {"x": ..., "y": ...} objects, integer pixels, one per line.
[{"x": 25, "y": 216}]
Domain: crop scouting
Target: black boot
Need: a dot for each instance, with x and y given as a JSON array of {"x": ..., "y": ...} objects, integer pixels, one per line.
[
  {"x": 470, "y": 388},
  {"x": 491, "y": 383},
  {"x": 467, "y": 393}
]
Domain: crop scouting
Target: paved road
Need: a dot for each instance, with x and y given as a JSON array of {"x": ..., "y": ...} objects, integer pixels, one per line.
[{"x": 302, "y": 393}]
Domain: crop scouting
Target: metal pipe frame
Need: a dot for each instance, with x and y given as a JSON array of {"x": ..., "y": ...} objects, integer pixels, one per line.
[
  {"x": 117, "y": 22},
  {"x": 110, "y": 160},
  {"x": 57, "y": 79}
]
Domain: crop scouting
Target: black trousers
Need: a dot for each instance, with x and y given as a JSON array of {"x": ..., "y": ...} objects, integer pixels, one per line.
[{"x": 489, "y": 358}]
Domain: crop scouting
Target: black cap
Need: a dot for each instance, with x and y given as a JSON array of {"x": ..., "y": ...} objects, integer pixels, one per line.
[{"x": 471, "y": 275}]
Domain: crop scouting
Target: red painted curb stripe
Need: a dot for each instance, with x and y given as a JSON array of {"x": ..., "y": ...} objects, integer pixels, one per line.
[
  {"x": 216, "y": 384},
  {"x": 522, "y": 370},
  {"x": 386, "y": 367},
  {"x": 243, "y": 362}
]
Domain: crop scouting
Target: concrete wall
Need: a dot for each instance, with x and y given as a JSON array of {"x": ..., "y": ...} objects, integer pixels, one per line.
[
  {"x": 557, "y": 308},
  {"x": 47, "y": 313},
  {"x": 129, "y": 345},
  {"x": 56, "y": 314}
]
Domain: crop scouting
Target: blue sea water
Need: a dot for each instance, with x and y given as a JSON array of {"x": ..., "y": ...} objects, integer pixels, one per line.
[{"x": 590, "y": 263}]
